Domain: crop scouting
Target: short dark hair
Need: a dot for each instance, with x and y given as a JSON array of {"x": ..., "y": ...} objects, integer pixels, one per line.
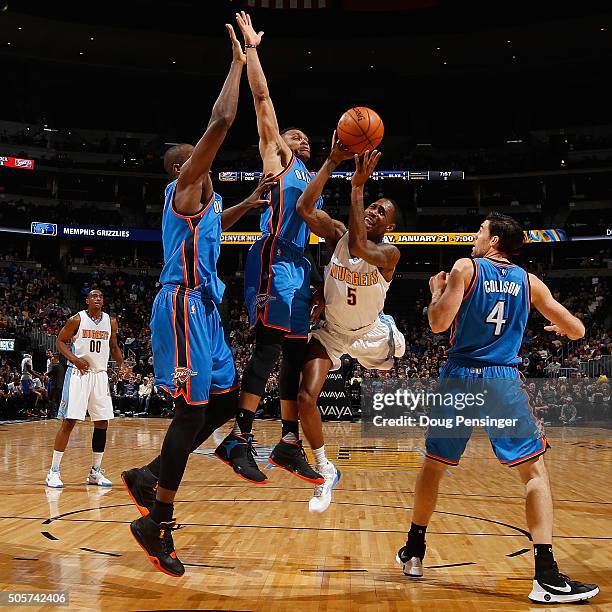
[
  {"x": 396, "y": 210},
  {"x": 288, "y": 129},
  {"x": 178, "y": 154},
  {"x": 508, "y": 230}
]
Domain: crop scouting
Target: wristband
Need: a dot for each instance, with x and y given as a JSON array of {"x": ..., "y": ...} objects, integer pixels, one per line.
[{"x": 250, "y": 46}]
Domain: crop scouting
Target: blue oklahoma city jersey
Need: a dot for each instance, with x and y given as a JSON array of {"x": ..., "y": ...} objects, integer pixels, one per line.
[
  {"x": 489, "y": 327},
  {"x": 191, "y": 246},
  {"x": 190, "y": 355},
  {"x": 281, "y": 217}
]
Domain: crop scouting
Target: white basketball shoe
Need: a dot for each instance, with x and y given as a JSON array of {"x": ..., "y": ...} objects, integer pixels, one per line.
[
  {"x": 53, "y": 479},
  {"x": 554, "y": 587},
  {"x": 412, "y": 566},
  {"x": 96, "y": 477},
  {"x": 322, "y": 497}
]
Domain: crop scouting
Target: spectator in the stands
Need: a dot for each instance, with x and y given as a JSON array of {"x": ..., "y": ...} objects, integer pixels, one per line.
[{"x": 144, "y": 394}]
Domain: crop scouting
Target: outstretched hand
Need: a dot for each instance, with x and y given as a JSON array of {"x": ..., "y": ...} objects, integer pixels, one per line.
[
  {"x": 257, "y": 199},
  {"x": 338, "y": 152},
  {"x": 248, "y": 31},
  {"x": 238, "y": 54},
  {"x": 364, "y": 166}
]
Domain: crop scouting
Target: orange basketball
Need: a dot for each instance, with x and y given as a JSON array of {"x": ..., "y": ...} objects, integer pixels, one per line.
[{"x": 360, "y": 129}]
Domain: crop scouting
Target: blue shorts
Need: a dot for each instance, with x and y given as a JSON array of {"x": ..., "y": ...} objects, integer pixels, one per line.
[
  {"x": 190, "y": 355},
  {"x": 277, "y": 286},
  {"x": 505, "y": 398}
]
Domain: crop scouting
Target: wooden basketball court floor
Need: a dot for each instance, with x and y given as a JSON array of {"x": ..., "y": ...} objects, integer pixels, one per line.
[{"x": 252, "y": 547}]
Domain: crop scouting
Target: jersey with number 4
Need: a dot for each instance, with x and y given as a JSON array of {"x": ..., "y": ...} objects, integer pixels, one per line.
[
  {"x": 489, "y": 327},
  {"x": 92, "y": 341},
  {"x": 355, "y": 290}
]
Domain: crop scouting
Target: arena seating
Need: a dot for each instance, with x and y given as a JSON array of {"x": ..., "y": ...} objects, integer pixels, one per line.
[{"x": 32, "y": 298}]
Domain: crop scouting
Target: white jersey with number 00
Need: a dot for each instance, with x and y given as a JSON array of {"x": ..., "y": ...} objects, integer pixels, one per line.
[
  {"x": 92, "y": 341},
  {"x": 355, "y": 290}
]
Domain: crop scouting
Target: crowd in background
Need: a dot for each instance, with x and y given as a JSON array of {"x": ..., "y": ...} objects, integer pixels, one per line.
[
  {"x": 526, "y": 152},
  {"x": 32, "y": 298}
]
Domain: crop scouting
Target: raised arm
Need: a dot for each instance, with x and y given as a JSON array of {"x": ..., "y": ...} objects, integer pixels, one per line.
[
  {"x": 318, "y": 221},
  {"x": 563, "y": 322},
  {"x": 255, "y": 200},
  {"x": 274, "y": 151},
  {"x": 194, "y": 184},
  {"x": 447, "y": 292},
  {"x": 385, "y": 256}
]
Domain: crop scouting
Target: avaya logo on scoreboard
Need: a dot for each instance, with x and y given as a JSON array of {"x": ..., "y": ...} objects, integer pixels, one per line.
[{"x": 17, "y": 162}]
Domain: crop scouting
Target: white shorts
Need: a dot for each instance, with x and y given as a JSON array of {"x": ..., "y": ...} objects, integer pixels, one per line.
[
  {"x": 374, "y": 348},
  {"x": 83, "y": 393}
]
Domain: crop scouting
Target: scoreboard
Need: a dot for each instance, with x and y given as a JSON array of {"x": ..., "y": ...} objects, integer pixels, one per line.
[{"x": 405, "y": 175}]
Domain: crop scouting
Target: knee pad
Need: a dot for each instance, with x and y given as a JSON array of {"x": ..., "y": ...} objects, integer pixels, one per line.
[
  {"x": 294, "y": 352},
  {"x": 265, "y": 355}
]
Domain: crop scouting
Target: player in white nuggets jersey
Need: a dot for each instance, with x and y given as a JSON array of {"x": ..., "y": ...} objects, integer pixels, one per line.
[
  {"x": 86, "y": 341},
  {"x": 356, "y": 282},
  {"x": 360, "y": 330}
]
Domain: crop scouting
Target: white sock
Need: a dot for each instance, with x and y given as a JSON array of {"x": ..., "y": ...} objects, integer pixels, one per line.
[
  {"x": 57, "y": 458},
  {"x": 319, "y": 454},
  {"x": 97, "y": 460}
]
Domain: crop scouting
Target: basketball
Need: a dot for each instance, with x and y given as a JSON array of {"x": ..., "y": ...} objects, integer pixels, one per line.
[{"x": 360, "y": 129}]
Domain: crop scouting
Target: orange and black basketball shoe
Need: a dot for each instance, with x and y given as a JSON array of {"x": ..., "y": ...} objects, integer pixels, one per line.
[
  {"x": 156, "y": 540},
  {"x": 291, "y": 456},
  {"x": 237, "y": 451},
  {"x": 141, "y": 485}
]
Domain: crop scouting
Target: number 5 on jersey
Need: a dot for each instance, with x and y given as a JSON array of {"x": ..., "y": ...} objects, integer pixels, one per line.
[
  {"x": 496, "y": 317},
  {"x": 351, "y": 296}
]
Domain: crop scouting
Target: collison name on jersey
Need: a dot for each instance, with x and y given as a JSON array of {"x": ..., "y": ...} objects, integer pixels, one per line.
[
  {"x": 489, "y": 327},
  {"x": 496, "y": 286}
]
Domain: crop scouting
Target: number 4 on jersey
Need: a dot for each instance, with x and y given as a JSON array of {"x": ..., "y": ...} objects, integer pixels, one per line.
[{"x": 496, "y": 317}]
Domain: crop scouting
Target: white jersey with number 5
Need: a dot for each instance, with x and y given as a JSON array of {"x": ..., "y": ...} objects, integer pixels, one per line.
[
  {"x": 355, "y": 290},
  {"x": 92, "y": 341}
]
